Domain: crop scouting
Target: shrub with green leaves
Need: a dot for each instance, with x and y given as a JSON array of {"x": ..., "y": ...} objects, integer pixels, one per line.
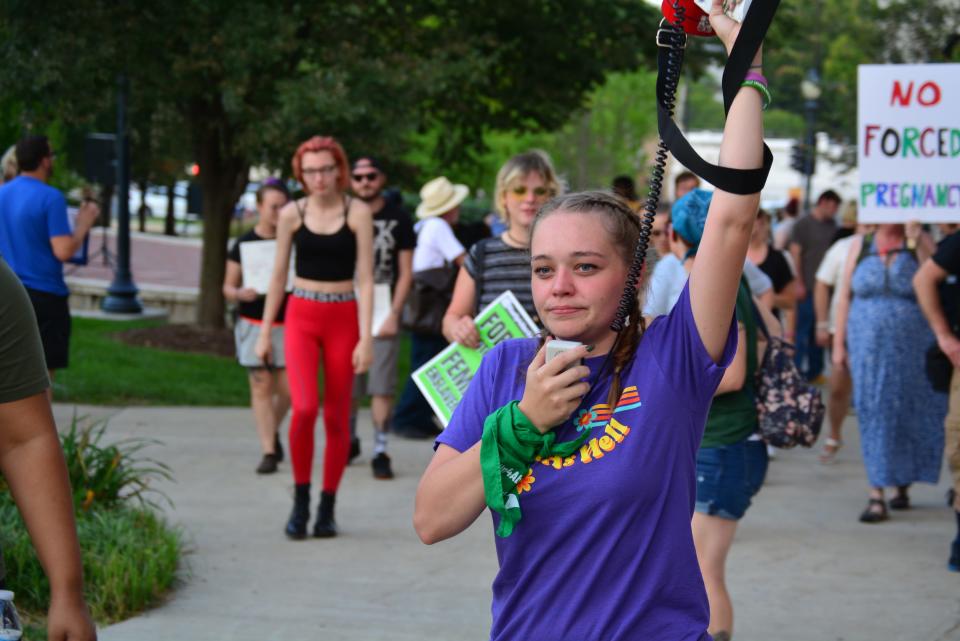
[
  {"x": 105, "y": 475},
  {"x": 129, "y": 554}
]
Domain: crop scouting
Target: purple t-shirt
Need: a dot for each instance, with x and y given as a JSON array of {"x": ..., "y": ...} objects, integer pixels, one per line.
[{"x": 604, "y": 549}]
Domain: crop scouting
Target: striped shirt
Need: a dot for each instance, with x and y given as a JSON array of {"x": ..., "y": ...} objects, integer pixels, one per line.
[{"x": 502, "y": 268}]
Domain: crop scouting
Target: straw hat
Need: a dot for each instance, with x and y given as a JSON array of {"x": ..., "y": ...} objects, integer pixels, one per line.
[{"x": 440, "y": 196}]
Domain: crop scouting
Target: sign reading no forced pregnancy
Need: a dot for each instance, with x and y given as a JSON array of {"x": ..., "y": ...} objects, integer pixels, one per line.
[{"x": 908, "y": 149}]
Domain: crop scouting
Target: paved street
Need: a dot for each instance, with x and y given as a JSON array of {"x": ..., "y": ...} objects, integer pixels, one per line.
[{"x": 802, "y": 568}]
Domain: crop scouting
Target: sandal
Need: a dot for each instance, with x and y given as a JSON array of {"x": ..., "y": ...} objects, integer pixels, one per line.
[
  {"x": 901, "y": 501},
  {"x": 830, "y": 449},
  {"x": 875, "y": 513}
]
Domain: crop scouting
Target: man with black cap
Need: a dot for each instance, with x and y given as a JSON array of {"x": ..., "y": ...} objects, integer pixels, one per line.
[{"x": 393, "y": 243}]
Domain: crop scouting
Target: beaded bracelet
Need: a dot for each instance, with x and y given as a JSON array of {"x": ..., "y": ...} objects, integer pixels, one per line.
[{"x": 762, "y": 88}]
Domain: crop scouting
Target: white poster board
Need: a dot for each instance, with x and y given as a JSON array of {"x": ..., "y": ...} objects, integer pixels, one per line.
[
  {"x": 908, "y": 148},
  {"x": 382, "y": 305},
  {"x": 256, "y": 259}
]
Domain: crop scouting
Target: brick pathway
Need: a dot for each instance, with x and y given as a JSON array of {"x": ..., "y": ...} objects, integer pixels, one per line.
[{"x": 154, "y": 260}]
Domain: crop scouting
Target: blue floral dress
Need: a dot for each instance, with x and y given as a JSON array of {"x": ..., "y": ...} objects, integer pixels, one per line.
[{"x": 901, "y": 417}]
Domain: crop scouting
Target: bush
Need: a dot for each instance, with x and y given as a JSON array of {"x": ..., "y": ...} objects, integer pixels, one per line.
[
  {"x": 107, "y": 475},
  {"x": 129, "y": 554}
]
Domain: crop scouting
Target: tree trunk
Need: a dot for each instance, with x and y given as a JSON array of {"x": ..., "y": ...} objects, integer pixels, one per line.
[
  {"x": 170, "y": 222},
  {"x": 223, "y": 177}
]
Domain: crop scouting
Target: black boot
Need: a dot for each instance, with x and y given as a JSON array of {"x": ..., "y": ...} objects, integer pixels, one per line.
[
  {"x": 325, "y": 526},
  {"x": 297, "y": 525}
]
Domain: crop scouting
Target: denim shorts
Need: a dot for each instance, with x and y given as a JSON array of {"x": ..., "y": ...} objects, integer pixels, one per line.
[{"x": 728, "y": 476}]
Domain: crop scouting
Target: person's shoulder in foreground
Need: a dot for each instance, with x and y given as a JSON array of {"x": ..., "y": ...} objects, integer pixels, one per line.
[{"x": 22, "y": 369}]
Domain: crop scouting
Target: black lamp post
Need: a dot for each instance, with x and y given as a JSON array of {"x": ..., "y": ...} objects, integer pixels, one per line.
[
  {"x": 122, "y": 294},
  {"x": 810, "y": 88}
]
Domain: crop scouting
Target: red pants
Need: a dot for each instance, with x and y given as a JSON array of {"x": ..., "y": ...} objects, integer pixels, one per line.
[{"x": 312, "y": 329}]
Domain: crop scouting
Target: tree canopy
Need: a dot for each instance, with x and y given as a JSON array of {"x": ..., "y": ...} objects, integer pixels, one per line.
[{"x": 241, "y": 82}]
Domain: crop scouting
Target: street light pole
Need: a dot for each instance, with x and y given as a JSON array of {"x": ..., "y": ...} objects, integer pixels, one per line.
[
  {"x": 122, "y": 294},
  {"x": 811, "y": 145},
  {"x": 810, "y": 88}
]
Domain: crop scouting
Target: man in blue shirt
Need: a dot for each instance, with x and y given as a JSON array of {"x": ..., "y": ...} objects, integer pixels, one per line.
[{"x": 36, "y": 238}]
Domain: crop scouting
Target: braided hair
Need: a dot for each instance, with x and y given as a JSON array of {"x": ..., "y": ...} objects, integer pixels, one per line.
[{"x": 623, "y": 227}]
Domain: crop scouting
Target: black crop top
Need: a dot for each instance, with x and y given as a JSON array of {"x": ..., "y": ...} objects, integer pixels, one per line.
[{"x": 325, "y": 257}]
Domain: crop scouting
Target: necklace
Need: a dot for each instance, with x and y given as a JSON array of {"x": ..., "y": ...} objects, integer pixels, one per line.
[{"x": 518, "y": 243}]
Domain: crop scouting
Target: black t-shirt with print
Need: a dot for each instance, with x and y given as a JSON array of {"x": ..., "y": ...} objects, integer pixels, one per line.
[
  {"x": 252, "y": 309},
  {"x": 392, "y": 233}
]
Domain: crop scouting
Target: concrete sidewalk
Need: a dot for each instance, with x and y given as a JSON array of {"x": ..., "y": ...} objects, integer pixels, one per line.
[{"x": 802, "y": 567}]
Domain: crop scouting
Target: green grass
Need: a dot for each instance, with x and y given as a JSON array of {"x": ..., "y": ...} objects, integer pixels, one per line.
[
  {"x": 130, "y": 559},
  {"x": 105, "y": 371},
  {"x": 129, "y": 554}
]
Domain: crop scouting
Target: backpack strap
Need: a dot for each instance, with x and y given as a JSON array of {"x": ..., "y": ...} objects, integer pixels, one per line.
[{"x": 750, "y": 326}]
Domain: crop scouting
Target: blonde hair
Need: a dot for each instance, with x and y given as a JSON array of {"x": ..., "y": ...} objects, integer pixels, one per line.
[
  {"x": 849, "y": 215},
  {"x": 9, "y": 164},
  {"x": 533, "y": 161}
]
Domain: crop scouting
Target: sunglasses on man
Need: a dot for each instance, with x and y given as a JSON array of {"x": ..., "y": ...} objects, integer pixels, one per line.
[{"x": 369, "y": 177}]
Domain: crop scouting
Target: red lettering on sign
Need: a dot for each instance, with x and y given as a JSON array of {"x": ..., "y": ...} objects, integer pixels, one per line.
[
  {"x": 928, "y": 94},
  {"x": 898, "y": 95}
]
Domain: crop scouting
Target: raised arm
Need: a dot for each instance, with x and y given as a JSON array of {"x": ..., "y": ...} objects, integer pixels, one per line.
[{"x": 716, "y": 272}]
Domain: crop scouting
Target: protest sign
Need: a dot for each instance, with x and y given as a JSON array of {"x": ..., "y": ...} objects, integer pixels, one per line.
[
  {"x": 256, "y": 260},
  {"x": 908, "y": 151},
  {"x": 444, "y": 378}
]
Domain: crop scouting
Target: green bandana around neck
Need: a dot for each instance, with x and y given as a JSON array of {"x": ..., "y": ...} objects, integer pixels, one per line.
[{"x": 510, "y": 445}]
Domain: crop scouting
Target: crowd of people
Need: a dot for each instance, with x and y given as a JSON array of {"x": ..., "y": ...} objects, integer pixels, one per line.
[{"x": 351, "y": 270}]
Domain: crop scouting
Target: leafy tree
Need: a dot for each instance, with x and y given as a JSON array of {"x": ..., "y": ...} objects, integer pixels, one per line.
[
  {"x": 249, "y": 79},
  {"x": 835, "y": 36},
  {"x": 597, "y": 142}
]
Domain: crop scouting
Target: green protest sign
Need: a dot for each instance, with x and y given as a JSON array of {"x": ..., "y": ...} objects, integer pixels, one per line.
[{"x": 443, "y": 380}]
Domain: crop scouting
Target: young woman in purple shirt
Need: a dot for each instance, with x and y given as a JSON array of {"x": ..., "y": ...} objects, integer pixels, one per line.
[{"x": 594, "y": 542}]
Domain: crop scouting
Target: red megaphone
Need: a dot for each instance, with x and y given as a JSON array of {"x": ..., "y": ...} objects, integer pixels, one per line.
[{"x": 696, "y": 22}]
